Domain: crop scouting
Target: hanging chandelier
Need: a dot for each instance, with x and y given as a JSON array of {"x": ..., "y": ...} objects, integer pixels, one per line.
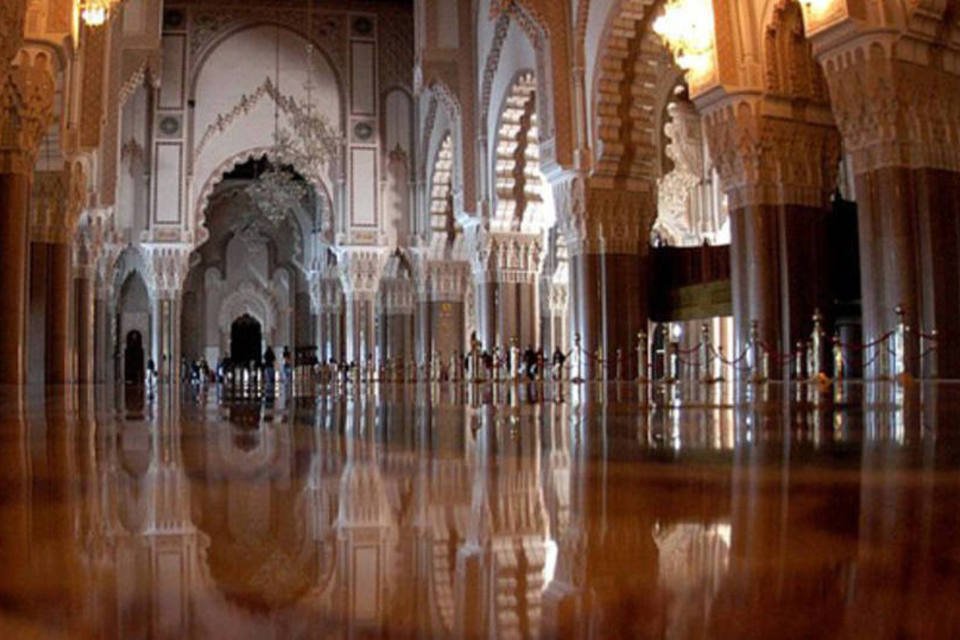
[
  {"x": 277, "y": 193},
  {"x": 687, "y": 28},
  {"x": 308, "y": 146},
  {"x": 94, "y": 13}
]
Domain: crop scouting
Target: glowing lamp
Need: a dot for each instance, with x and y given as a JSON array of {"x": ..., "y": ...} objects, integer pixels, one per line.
[
  {"x": 687, "y": 28},
  {"x": 94, "y": 12}
]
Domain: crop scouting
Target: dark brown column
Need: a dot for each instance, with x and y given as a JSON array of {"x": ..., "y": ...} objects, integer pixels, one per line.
[
  {"x": 14, "y": 199},
  {"x": 447, "y": 322},
  {"x": 85, "y": 328},
  {"x": 779, "y": 273},
  {"x": 57, "y": 351},
  {"x": 612, "y": 308},
  {"x": 27, "y": 98},
  {"x": 910, "y": 256}
]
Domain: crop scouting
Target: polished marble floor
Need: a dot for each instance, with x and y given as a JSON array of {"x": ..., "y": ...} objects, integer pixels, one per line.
[{"x": 419, "y": 511}]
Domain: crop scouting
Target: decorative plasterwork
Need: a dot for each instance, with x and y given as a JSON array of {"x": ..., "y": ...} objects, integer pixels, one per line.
[
  {"x": 202, "y": 203},
  {"x": 766, "y": 160},
  {"x": 548, "y": 25},
  {"x": 57, "y": 200},
  {"x": 167, "y": 266},
  {"x": 252, "y": 300},
  {"x": 360, "y": 272},
  {"x": 892, "y": 112},
  {"x": 677, "y": 213},
  {"x": 12, "y": 13},
  {"x": 396, "y": 47},
  {"x": 632, "y": 62},
  {"x": 95, "y": 69},
  {"x": 448, "y": 281},
  {"x": 26, "y": 111},
  {"x": 508, "y": 258},
  {"x": 518, "y": 178},
  {"x": 597, "y": 220},
  {"x": 209, "y": 24}
]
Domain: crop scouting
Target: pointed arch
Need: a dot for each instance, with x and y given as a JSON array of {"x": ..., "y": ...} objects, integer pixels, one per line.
[{"x": 517, "y": 163}]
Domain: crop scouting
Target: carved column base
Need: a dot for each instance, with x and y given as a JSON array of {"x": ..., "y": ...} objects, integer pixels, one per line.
[{"x": 14, "y": 196}]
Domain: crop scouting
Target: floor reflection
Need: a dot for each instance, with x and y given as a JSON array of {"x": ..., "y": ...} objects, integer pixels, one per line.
[{"x": 496, "y": 512}]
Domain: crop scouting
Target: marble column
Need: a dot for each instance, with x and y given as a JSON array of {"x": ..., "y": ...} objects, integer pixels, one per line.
[
  {"x": 85, "y": 330},
  {"x": 58, "y": 358},
  {"x": 507, "y": 292},
  {"x": 896, "y": 110},
  {"x": 360, "y": 274},
  {"x": 27, "y": 98},
  {"x": 607, "y": 233},
  {"x": 778, "y": 175}
]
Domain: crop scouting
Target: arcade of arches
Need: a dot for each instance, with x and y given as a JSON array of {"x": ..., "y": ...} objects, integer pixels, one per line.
[{"x": 405, "y": 181}]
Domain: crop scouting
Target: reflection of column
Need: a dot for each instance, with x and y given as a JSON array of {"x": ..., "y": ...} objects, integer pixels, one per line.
[{"x": 27, "y": 98}]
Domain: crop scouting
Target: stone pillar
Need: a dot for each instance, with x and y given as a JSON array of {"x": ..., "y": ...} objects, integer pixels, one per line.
[
  {"x": 57, "y": 200},
  {"x": 85, "y": 252},
  {"x": 447, "y": 308},
  {"x": 506, "y": 273},
  {"x": 169, "y": 264},
  {"x": 778, "y": 175},
  {"x": 360, "y": 276},
  {"x": 397, "y": 321},
  {"x": 84, "y": 287},
  {"x": 899, "y": 120},
  {"x": 26, "y": 97},
  {"x": 607, "y": 233}
]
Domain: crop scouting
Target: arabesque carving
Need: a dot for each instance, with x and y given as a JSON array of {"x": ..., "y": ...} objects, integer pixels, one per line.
[{"x": 26, "y": 111}]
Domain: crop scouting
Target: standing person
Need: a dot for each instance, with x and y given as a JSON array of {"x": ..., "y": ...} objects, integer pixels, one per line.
[
  {"x": 530, "y": 362},
  {"x": 558, "y": 359},
  {"x": 151, "y": 377},
  {"x": 287, "y": 365},
  {"x": 269, "y": 366}
]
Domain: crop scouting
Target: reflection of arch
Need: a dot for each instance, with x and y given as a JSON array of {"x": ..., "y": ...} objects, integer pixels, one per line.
[{"x": 517, "y": 168}]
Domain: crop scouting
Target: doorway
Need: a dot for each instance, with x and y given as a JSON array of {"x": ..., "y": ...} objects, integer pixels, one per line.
[
  {"x": 133, "y": 356},
  {"x": 246, "y": 339}
]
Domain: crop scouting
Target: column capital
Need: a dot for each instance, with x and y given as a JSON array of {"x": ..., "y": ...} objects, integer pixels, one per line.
[
  {"x": 448, "y": 281},
  {"x": 598, "y": 217},
  {"x": 766, "y": 155},
  {"x": 894, "y": 112},
  {"x": 507, "y": 257},
  {"x": 168, "y": 265},
  {"x": 57, "y": 201},
  {"x": 26, "y": 110},
  {"x": 360, "y": 272}
]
